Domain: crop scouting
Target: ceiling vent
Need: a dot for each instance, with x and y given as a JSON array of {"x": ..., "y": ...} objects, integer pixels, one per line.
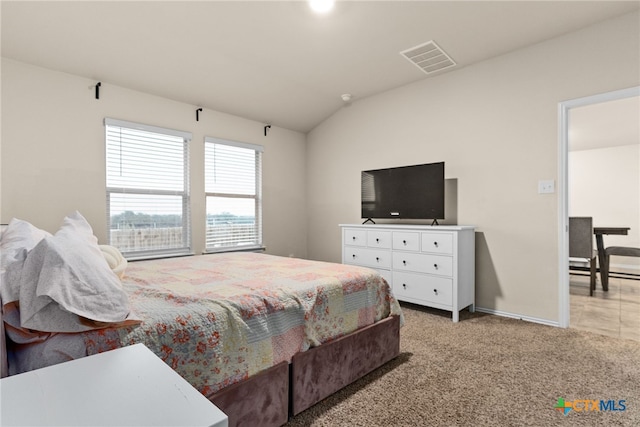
[{"x": 428, "y": 57}]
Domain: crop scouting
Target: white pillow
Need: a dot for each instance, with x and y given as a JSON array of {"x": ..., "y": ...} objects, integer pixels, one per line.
[
  {"x": 65, "y": 278},
  {"x": 18, "y": 236}
]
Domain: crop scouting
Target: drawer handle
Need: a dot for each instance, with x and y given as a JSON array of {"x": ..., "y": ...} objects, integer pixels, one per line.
[
  {"x": 435, "y": 266},
  {"x": 435, "y": 244},
  {"x": 404, "y": 262},
  {"x": 435, "y": 291},
  {"x": 354, "y": 256},
  {"x": 404, "y": 242},
  {"x": 354, "y": 238},
  {"x": 377, "y": 259},
  {"x": 404, "y": 285},
  {"x": 377, "y": 240}
]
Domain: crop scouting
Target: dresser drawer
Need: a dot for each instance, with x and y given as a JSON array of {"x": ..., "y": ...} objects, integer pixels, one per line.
[
  {"x": 430, "y": 289},
  {"x": 406, "y": 241},
  {"x": 423, "y": 263},
  {"x": 367, "y": 257},
  {"x": 441, "y": 243},
  {"x": 355, "y": 237},
  {"x": 379, "y": 239}
]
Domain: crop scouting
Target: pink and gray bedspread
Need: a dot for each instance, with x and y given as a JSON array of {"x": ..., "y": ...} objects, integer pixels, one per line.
[{"x": 219, "y": 319}]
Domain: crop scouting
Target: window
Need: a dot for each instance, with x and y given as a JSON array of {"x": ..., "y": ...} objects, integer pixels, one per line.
[
  {"x": 147, "y": 190},
  {"x": 233, "y": 186}
]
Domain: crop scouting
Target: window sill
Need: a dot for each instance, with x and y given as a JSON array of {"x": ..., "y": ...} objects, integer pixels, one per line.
[
  {"x": 140, "y": 257},
  {"x": 244, "y": 249}
]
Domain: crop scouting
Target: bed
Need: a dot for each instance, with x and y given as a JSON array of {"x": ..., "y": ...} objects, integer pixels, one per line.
[{"x": 263, "y": 337}]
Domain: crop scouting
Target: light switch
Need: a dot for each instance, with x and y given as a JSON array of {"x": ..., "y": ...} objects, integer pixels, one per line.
[{"x": 546, "y": 186}]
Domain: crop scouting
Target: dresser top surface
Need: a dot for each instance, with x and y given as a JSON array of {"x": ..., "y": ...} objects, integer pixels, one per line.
[{"x": 411, "y": 227}]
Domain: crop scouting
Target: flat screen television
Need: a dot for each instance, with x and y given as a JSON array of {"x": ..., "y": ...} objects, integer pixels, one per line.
[{"x": 406, "y": 192}]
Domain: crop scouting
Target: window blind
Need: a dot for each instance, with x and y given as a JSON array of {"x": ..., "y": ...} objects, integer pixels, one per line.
[
  {"x": 147, "y": 189},
  {"x": 233, "y": 187}
]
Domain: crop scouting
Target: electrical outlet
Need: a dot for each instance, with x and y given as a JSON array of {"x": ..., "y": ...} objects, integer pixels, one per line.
[{"x": 546, "y": 186}]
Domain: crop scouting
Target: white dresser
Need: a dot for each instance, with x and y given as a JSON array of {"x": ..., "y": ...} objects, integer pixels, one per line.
[{"x": 428, "y": 265}]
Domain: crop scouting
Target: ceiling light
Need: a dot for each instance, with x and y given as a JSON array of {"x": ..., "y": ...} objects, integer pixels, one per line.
[{"x": 321, "y": 6}]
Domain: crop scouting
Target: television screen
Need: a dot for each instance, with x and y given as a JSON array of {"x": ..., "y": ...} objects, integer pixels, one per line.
[{"x": 408, "y": 192}]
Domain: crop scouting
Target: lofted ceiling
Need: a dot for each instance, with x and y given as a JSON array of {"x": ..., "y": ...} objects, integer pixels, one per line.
[{"x": 276, "y": 61}]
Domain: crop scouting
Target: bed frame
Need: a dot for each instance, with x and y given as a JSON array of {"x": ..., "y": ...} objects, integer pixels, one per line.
[{"x": 271, "y": 397}]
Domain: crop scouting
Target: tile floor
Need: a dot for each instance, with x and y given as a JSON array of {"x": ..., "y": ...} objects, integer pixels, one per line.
[{"x": 614, "y": 313}]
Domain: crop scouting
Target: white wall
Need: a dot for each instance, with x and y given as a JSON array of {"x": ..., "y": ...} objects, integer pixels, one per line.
[
  {"x": 53, "y": 153},
  {"x": 495, "y": 124},
  {"x": 605, "y": 184}
]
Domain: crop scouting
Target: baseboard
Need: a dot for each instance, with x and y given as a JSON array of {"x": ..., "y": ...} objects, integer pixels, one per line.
[{"x": 518, "y": 316}]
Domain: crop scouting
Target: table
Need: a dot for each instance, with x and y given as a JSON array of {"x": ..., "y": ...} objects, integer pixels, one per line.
[
  {"x": 599, "y": 232},
  {"x": 129, "y": 386}
]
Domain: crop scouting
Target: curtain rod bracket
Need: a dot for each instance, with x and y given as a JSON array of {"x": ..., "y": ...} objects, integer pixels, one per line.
[
  {"x": 198, "y": 114},
  {"x": 266, "y": 128},
  {"x": 98, "y": 90}
]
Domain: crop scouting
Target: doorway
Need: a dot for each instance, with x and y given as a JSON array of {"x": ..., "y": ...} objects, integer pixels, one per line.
[{"x": 568, "y": 111}]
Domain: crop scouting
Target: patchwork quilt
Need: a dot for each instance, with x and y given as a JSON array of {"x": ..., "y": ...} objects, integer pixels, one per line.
[{"x": 219, "y": 319}]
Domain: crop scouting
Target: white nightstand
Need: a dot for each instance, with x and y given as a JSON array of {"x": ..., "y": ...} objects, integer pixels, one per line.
[{"x": 130, "y": 386}]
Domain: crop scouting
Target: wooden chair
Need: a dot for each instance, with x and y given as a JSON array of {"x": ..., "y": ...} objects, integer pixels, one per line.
[
  {"x": 581, "y": 247},
  {"x": 617, "y": 251}
]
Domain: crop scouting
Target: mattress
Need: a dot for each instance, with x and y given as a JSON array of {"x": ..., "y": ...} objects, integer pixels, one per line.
[{"x": 219, "y": 319}]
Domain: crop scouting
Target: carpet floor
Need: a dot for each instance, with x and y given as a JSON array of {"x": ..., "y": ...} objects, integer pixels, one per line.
[{"x": 489, "y": 370}]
